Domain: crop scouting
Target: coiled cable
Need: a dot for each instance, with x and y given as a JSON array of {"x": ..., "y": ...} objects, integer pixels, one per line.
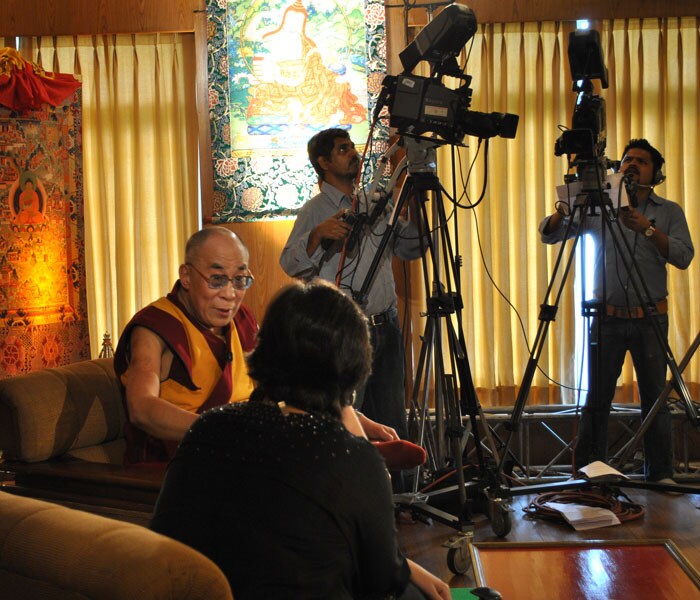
[{"x": 625, "y": 510}]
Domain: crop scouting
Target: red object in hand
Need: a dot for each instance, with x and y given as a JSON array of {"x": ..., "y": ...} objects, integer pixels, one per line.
[{"x": 401, "y": 454}]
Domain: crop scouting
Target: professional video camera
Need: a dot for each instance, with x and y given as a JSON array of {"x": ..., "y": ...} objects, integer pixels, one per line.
[
  {"x": 587, "y": 137},
  {"x": 419, "y": 105}
]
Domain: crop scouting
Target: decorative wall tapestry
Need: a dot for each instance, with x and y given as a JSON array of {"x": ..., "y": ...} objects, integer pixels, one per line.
[
  {"x": 279, "y": 71},
  {"x": 43, "y": 321}
]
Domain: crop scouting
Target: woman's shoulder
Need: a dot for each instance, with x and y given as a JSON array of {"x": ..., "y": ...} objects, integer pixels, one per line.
[
  {"x": 240, "y": 416},
  {"x": 299, "y": 436}
]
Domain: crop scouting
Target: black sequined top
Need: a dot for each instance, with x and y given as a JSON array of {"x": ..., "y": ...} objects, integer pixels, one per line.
[{"x": 288, "y": 506}]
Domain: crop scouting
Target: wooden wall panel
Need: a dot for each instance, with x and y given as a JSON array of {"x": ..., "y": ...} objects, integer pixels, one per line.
[
  {"x": 265, "y": 241},
  {"x": 74, "y": 17},
  {"x": 206, "y": 161},
  {"x": 507, "y": 11},
  {"x": 78, "y": 17}
]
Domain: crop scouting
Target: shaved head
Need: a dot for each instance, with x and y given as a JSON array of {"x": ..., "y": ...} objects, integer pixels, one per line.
[
  {"x": 213, "y": 251},
  {"x": 198, "y": 239}
]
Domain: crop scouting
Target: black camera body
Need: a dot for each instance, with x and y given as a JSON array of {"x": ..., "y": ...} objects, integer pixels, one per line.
[
  {"x": 351, "y": 218},
  {"x": 356, "y": 222},
  {"x": 424, "y": 105},
  {"x": 420, "y": 105},
  {"x": 587, "y": 137}
]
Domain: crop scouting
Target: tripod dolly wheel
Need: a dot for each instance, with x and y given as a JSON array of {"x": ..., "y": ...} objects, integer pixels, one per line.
[
  {"x": 458, "y": 560},
  {"x": 501, "y": 522}
]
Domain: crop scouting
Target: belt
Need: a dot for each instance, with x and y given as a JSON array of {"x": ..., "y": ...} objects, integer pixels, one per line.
[
  {"x": 383, "y": 317},
  {"x": 636, "y": 312}
]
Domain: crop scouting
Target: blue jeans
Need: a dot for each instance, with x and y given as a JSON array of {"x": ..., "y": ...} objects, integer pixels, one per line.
[
  {"x": 649, "y": 359},
  {"x": 383, "y": 398}
]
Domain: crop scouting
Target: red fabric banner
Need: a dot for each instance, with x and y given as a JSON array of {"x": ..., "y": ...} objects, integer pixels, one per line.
[{"x": 26, "y": 86}]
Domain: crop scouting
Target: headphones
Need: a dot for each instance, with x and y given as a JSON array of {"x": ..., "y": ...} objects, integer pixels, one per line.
[{"x": 658, "y": 178}]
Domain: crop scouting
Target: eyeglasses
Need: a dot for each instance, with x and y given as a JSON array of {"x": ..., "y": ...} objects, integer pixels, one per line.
[{"x": 217, "y": 281}]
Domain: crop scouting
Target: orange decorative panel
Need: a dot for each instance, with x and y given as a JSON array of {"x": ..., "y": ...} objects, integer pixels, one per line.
[{"x": 43, "y": 320}]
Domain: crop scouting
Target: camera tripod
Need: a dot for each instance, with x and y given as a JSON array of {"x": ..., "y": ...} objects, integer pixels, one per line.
[
  {"x": 442, "y": 360},
  {"x": 590, "y": 200}
]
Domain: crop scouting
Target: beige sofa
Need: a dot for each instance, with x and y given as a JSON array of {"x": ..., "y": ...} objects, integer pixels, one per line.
[
  {"x": 55, "y": 553},
  {"x": 61, "y": 438}
]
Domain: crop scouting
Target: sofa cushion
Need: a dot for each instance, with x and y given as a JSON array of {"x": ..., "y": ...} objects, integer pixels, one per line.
[
  {"x": 51, "y": 412},
  {"x": 107, "y": 452}
]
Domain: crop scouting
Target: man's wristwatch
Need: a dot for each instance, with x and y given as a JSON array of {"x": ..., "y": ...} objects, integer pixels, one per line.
[{"x": 649, "y": 231}]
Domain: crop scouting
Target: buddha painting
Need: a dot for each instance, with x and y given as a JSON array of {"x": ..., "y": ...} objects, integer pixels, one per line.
[
  {"x": 293, "y": 86},
  {"x": 28, "y": 201}
]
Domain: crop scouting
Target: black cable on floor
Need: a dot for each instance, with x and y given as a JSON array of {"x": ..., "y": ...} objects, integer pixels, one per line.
[{"x": 625, "y": 510}]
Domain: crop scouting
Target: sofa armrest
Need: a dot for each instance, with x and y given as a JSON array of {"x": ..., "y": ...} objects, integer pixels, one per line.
[
  {"x": 47, "y": 413},
  {"x": 52, "y": 551}
]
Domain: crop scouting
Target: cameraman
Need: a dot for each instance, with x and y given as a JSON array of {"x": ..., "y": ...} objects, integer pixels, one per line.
[
  {"x": 314, "y": 249},
  {"x": 657, "y": 233}
]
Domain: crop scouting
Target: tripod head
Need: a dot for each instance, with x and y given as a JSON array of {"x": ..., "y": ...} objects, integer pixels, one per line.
[
  {"x": 591, "y": 174},
  {"x": 420, "y": 165},
  {"x": 420, "y": 154}
]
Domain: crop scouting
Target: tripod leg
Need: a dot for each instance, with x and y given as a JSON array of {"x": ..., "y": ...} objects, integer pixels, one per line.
[
  {"x": 454, "y": 386},
  {"x": 546, "y": 316},
  {"x": 456, "y": 436},
  {"x": 622, "y": 456},
  {"x": 592, "y": 438},
  {"x": 419, "y": 418},
  {"x": 591, "y": 442}
]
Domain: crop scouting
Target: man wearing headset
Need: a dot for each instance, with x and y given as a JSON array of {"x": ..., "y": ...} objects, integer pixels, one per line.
[{"x": 657, "y": 233}]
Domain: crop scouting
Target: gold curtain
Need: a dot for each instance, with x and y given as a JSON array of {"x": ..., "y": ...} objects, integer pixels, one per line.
[
  {"x": 523, "y": 69},
  {"x": 140, "y": 161}
]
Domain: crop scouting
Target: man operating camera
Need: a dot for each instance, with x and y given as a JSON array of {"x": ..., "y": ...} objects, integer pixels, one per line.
[
  {"x": 316, "y": 246},
  {"x": 657, "y": 234}
]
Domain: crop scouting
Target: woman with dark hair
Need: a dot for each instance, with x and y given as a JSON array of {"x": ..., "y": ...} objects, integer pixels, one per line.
[{"x": 276, "y": 491}]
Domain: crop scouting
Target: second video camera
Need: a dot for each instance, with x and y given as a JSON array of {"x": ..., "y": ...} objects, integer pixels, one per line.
[{"x": 587, "y": 137}]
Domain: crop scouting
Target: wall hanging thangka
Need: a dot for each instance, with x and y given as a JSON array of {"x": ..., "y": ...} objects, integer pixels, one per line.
[
  {"x": 279, "y": 71},
  {"x": 43, "y": 321}
]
